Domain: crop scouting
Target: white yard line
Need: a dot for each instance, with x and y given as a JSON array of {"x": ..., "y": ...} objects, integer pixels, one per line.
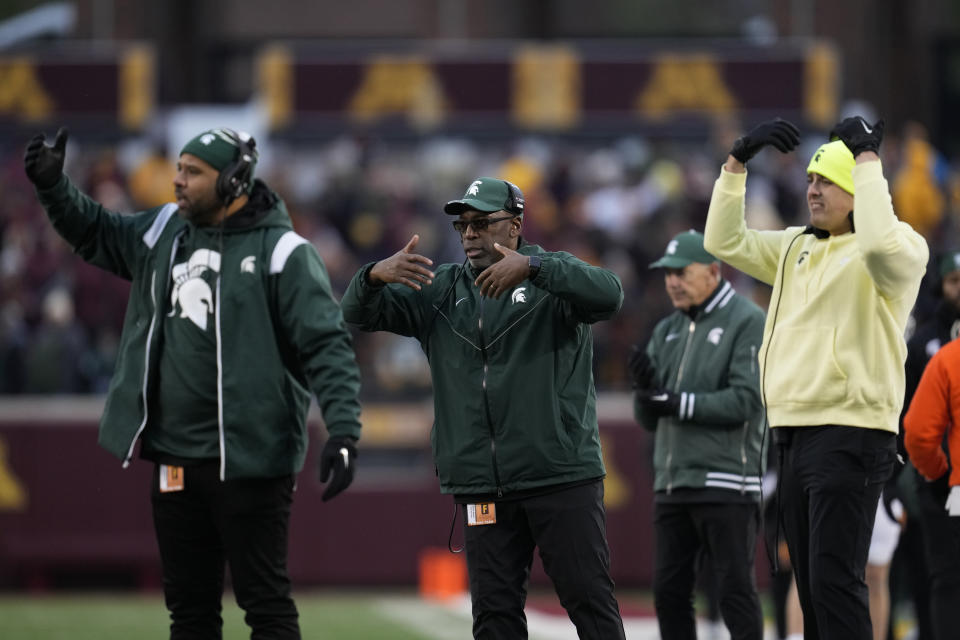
[{"x": 451, "y": 620}]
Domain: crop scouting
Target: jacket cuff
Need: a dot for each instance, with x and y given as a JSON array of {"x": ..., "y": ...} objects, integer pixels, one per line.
[
  {"x": 365, "y": 283},
  {"x": 732, "y": 182}
]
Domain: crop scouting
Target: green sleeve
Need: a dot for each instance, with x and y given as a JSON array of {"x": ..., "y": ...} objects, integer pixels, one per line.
[
  {"x": 105, "y": 239},
  {"x": 393, "y": 307},
  {"x": 738, "y": 400},
  {"x": 590, "y": 293},
  {"x": 895, "y": 254},
  {"x": 311, "y": 319}
]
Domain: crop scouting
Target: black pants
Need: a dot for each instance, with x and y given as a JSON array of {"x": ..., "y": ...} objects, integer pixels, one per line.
[
  {"x": 727, "y": 534},
  {"x": 241, "y": 522},
  {"x": 569, "y": 527},
  {"x": 832, "y": 477},
  {"x": 941, "y": 533}
]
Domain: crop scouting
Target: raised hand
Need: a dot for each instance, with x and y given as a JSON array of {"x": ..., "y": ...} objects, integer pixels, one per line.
[
  {"x": 504, "y": 274},
  {"x": 858, "y": 135},
  {"x": 405, "y": 267},
  {"x": 43, "y": 163},
  {"x": 777, "y": 133}
]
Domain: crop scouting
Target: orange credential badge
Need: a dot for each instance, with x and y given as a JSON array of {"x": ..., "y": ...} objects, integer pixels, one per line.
[
  {"x": 171, "y": 478},
  {"x": 480, "y": 514}
]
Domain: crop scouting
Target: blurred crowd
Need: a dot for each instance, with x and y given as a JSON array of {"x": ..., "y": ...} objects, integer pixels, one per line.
[{"x": 358, "y": 198}]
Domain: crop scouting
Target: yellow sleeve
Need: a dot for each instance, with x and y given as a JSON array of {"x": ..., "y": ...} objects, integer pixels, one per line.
[
  {"x": 895, "y": 254},
  {"x": 727, "y": 237}
]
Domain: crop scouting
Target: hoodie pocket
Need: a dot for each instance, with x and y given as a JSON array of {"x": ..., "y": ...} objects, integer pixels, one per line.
[{"x": 802, "y": 367}]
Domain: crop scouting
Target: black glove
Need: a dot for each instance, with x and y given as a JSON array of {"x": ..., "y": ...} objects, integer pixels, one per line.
[
  {"x": 660, "y": 401},
  {"x": 858, "y": 135},
  {"x": 43, "y": 163},
  {"x": 640, "y": 367},
  {"x": 782, "y": 135},
  {"x": 339, "y": 455}
]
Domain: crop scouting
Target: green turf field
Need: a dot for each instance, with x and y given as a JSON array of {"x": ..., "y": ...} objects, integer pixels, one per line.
[{"x": 143, "y": 617}]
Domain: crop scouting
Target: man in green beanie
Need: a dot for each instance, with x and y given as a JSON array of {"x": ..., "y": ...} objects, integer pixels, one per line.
[
  {"x": 831, "y": 364},
  {"x": 231, "y": 326}
]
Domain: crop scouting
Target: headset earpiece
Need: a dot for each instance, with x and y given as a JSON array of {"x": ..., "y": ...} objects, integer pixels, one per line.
[
  {"x": 514, "y": 202},
  {"x": 235, "y": 178}
]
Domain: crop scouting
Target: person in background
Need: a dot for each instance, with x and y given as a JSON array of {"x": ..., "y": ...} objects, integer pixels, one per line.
[
  {"x": 833, "y": 352},
  {"x": 515, "y": 437},
  {"x": 230, "y": 325},
  {"x": 697, "y": 389},
  {"x": 930, "y": 440}
]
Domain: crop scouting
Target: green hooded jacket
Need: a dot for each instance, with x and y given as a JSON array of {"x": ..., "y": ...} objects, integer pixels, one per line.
[
  {"x": 279, "y": 332},
  {"x": 514, "y": 398}
]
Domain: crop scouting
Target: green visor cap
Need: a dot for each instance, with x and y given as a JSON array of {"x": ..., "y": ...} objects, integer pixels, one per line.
[
  {"x": 488, "y": 195},
  {"x": 685, "y": 248}
]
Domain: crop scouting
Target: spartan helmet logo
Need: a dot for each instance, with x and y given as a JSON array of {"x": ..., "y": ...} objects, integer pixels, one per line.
[
  {"x": 191, "y": 292},
  {"x": 474, "y": 188},
  {"x": 519, "y": 295}
]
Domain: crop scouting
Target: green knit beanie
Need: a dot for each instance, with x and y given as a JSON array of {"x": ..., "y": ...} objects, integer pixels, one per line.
[{"x": 216, "y": 147}]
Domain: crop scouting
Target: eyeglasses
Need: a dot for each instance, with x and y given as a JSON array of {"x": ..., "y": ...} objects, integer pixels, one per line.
[{"x": 479, "y": 225}]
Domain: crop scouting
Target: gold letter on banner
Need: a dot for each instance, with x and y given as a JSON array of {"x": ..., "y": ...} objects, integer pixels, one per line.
[
  {"x": 13, "y": 495},
  {"x": 136, "y": 87},
  {"x": 21, "y": 93},
  {"x": 821, "y": 85},
  {"x": 546, "y": 88},
  {"x": 685, "y": 83},
  {"x": 275, "y": 78},
  {"x": 396, "y": 84}
]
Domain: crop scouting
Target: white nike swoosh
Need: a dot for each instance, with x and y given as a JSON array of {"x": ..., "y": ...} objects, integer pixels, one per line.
[
  {"x": 865, "y": 127},
  {"x": 460, "y": 300},
  {"x": 671, "y": 336},
  {"x": 659, "y": 397}
]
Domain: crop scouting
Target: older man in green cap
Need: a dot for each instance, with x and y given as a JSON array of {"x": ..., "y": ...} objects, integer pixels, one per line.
[
  {"x": 231, "y": 325},
  {"x": 833, "y": 353},
  {"x": 696, "y": 388},
  {"x": 515, "y": 437}
]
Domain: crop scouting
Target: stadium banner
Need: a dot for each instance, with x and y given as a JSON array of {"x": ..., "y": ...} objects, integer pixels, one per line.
[
  {"x": 68, "y": 510},
  {"x": 559, "y": 88},
  {"x": 113, "y": 88}
]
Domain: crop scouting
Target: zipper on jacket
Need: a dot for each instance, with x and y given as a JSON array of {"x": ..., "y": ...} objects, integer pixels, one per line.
[
  {"x": 486, "y": 403},
  {"x": 743, "y": 457},
  {"x": 146, "y": 351},
  {"x": 220, "y": 427},
  {"x": 146, "y": 370},
  {"x": 676, "y": 387}
]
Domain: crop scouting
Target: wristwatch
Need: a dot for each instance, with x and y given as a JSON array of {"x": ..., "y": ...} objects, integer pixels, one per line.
[{"x": 534, "y": 263}]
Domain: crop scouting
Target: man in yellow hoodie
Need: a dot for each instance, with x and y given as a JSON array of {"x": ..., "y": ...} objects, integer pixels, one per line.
[{"x": 831, "y": 362}]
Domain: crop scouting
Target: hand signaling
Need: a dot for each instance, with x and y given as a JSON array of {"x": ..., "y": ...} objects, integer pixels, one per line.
[
  {"x": 404, "y": 267},
  {"x": 858, "y": 135},
  {"x": 504, "y": 274},
  {"x": 778, "y": 133},
  {"x": 43, "y": 163}
]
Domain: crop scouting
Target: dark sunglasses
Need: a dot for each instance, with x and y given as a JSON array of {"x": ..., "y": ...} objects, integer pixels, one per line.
[{"x": 479, "y": 225}]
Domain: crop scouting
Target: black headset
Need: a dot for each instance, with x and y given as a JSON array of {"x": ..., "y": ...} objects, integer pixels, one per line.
[
  {"x": 235, "y": 178},
  {"x": 514, "y": 202}
]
